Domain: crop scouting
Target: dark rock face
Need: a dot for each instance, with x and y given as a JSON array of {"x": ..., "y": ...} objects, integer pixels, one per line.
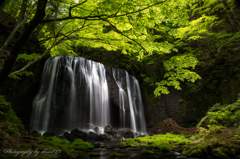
[
  {"x": 69, "y": 137},
  {"x": 113, "y": 87},
  {"x": 126, "y": 133},
  {"x": 49, "y": 134},
  {"x": 102, "y": 137},
  {"x": 173, "y": 106},
  {"x": 79, "y": 134},
  {"x": 92, "y": 136}
]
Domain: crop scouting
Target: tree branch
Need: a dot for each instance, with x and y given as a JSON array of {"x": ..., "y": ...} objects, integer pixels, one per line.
[
  {"x": 99, "y": 17},
  {"x": 70, "y": 9},
  {"x": 127, "y": 36},
  {"x": 16, "y": 28},
  {"x": 66, "y": 37},
  {"x": 55, "y": 18},
  {"x": 22, "y": 12},
  {"x": 8, "y": 64}
]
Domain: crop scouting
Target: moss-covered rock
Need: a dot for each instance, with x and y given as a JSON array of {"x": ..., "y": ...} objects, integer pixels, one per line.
[
  {"x": 220, "y": 152},
  {"x": 147, "y": 152},
  {"x": 115, "y": 154}
]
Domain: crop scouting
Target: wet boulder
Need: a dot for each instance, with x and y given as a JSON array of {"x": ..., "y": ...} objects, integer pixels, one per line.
[
  {"x": 79, "y": 134},
  {"x": 69, "y": 137},
  {"x": 126, "y": 133},
  {"x": 102, "y": 137},
  {"x": 97, "y": 130},
  {"x": 49, "y": 134},
  {"x": 92, "y": 136},
  {"x": 117, "y": 137},
  {"x": 109, "y": 130},
  {"x": 62, "y": 137}
]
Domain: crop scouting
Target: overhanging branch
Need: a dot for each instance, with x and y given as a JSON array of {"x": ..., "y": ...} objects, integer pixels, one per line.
[{"x": 99, "y": 17}]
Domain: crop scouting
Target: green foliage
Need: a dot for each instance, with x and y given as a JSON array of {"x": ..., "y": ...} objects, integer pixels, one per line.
[
  {"x": 16, "y": 76},
  {"x": 26, "y": 57},
  {"x": 176, "y": 72},
  {"x": 12, "y": 125},
  {"x": 220, "y": 152},
  {"x": 219, "y": 116},
  {"x": 195, "y": 151}
]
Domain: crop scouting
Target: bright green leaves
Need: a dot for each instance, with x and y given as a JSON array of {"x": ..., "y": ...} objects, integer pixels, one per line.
[
  {"x": 176, "y": 68},
  {"x": 197, "y": 29},
  {"x": 16, "y": 76},
  {"x": 26, "y": 57},
  {"x": 182, "y": 61}
]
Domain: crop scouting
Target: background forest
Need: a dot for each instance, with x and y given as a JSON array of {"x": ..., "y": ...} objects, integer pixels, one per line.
[{"x": 185, "y": 53}]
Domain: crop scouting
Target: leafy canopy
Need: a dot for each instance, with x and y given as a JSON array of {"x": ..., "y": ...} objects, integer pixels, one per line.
[{"x": 130, "y": 27}]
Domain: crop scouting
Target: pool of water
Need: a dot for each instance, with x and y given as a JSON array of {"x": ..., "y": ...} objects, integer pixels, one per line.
[{"x": 133, "y": 154}]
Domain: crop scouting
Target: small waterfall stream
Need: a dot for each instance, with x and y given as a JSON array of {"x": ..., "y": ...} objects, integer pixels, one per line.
[{"x": 74, "y": 93}]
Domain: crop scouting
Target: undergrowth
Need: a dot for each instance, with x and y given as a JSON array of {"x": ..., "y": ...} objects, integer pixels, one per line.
[
  {"x": 222, "y": 115},
  {"x": 10, "y": 124}
]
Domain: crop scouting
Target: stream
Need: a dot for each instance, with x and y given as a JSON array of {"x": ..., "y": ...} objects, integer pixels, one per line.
[{"x": 131, "y": 153}]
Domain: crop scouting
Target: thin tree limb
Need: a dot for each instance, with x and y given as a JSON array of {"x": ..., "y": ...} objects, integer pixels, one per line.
[
  {"x": 16, "y": 28},
  {"x": 118, "y": 31},
  {"x": 28, "y": 29},
  {"x": 55, "y": 18},
  {"x": 45, "y": 53},
  {"x": 99, "y": 17},
  {"x": 66, "y": 37},
  {"x": 22, "y": 12},
  {"x": 70, "y": 9}
]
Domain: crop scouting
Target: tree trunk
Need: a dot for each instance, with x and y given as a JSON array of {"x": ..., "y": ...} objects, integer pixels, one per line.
[
  {"x": 8, "y": 64},
  {"x": 22, "y": 12}
]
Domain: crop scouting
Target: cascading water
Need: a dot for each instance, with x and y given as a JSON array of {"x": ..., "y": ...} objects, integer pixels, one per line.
[
  {"x": 74, "y": 93},
  {"x": 122, "y": 95},
  {"x": 136, "y": 106}
]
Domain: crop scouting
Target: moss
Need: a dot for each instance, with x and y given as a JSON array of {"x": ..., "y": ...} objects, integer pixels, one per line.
[
  {"x": 198, "y": 150},
  {"x": 147, "y": 152},
  {"x": 53, "y": 141},
  {"x": 129, "y": 143},
  {"x": 80, "y": 145},
  {"x": 115, "y": 154},
  {"x": 165, "y": 147}
]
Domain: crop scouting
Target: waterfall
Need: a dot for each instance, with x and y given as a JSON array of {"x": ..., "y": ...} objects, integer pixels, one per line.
[
  {"x": 136, "y": 106},
  {"x": 74, "y": 93},
  {"x": 122, "y": 95}
]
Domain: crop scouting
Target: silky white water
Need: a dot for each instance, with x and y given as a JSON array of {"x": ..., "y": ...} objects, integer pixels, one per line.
[{"x": 74, "y": 93}]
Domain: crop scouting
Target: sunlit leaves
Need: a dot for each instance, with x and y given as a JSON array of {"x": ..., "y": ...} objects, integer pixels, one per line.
[
  {"x": 176, "y": 68},
  {"x": 26, "y": 57}
]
